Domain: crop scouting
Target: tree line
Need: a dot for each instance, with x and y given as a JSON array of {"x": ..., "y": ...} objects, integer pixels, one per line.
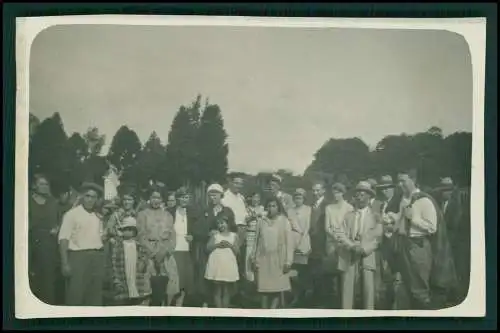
[{"x": 197, "y": 152}]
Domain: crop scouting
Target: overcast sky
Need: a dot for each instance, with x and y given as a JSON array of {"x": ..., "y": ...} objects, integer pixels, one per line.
[{"x": 283, "y": 91}]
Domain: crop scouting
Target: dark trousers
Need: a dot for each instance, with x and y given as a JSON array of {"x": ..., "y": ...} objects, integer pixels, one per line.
[
  {"x": 320, "y": 286},
  {"x": 43, "y": 268},
  {"x": 85, "y": 285},
  {"x": 415, "y": 266}
]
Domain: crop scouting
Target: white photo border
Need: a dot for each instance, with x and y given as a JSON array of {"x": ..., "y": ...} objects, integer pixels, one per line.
[{"x": 473, "y": 30}]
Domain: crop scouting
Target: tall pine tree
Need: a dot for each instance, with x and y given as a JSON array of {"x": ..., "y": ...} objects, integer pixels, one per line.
[
  {"x": 48, "y": 150},
  {"x": 212, "y": 146},
  {"x": 181, "y": 166},
  {"x": 149, "y": 161}
]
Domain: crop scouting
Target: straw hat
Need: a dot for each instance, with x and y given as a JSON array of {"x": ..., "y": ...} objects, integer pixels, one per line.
[
  {"x": 365, "y": 186},
  {"x": 92, "y": 186}
]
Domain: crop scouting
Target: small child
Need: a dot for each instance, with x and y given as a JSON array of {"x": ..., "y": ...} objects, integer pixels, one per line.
[
  {"x": 130, "y": 263},
  {"x": 222, "y": 266}
]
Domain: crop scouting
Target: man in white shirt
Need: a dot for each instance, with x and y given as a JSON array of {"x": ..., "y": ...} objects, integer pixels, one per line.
[
  {"x": 236, "y": 201},
  {"x": 416, "y": 222},
  {"x": 81, "y": 249}
]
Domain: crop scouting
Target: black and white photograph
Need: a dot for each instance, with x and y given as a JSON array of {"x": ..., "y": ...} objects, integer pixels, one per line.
[{"x": 249, "y": 165}]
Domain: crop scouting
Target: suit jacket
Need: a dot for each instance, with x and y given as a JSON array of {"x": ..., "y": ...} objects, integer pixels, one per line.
[
  {"x": 453, "y": 214},
  {"x": 192, "y": 221},
  {"x": 370, "y": 238},
  {"x": 317, "y": 230}
]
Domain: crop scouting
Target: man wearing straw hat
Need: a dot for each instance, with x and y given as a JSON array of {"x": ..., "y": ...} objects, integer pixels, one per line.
[
  {"x": 359, "y": 239},
  {"x": 81, "y": 248}
]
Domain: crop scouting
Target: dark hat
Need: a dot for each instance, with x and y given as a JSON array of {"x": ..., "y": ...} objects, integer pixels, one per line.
[
  {"x": 446, "y": 184},
  {"x": 385, "y": 182},
  {"x": 372, "y": 182},
  {"x": 365, "y": 186},
  {"x": 92, "y": 186},
  {"x": 339, "y": 187},
  {"x": 182, "y": 191}
]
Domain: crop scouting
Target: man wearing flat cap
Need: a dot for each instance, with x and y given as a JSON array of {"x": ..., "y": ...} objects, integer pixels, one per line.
[
  {"x": 423, "y": 250},
  {"x": 81, "y": 248},
  {"x": 358, "y": 240},
  {"x": 336, "y": 212}
]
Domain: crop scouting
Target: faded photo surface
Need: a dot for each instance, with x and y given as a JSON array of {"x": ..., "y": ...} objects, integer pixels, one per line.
[{"x": 205, "y": 168}]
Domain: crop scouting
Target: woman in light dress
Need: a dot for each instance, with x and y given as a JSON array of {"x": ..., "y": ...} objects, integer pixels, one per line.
[
  {"x": 222, "y": 266},
  {"x": 156, "y": 232},
  {"x": 273, "y": 255}
]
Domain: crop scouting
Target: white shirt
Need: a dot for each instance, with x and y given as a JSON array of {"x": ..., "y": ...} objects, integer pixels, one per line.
[
  {"x": 318, "y": 202},
  {"x": 82, "y": 229},
  {"x": 180, "y": 227},
  {"x": 237, "y": 204},
  {"x": 359, "y": 221},
  {"x": 445, "y": 206},
  {"x": 130, "y": 251},
  {"x": 424, "y": 221}
]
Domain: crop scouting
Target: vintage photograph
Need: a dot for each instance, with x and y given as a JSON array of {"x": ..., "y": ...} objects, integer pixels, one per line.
[{"x": 249, "y": 167}]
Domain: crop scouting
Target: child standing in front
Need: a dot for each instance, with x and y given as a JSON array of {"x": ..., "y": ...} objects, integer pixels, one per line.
[
  {"x": 222, "y": 267},
  {"x": 130, "y": 265}
]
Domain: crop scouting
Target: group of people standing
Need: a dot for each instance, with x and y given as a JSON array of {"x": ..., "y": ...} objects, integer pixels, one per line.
[{"x": 243, "y": 252}]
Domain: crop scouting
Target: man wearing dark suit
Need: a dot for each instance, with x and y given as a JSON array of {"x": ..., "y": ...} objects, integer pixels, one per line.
[
  {"x": 458, "y": 232},
  {"x": 317, "y": 233}
]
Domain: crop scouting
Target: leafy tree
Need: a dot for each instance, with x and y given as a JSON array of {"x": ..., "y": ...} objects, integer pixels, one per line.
[
  {"x": 124, "y": 150},
  {"x": 341, "y": 156},
  {"x": 212, "y": 146},
  {"x": 457, "y": 157}
]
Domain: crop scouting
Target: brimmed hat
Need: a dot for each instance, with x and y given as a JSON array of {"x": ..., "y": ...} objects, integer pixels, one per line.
[
  {"x": 446, "y": 184},
  {"x": 372, "y": 182},
  {"x": 182, "y": 191},
  {"x": 275, "y": 177},
  {"x": 215, "y": 188},
  {"x": 92, "y": 186},
  {"x": 385, "y": 182},
  {"x": 365, "y": 186},
  {"x": 299, "y": 192},
  {"x": 111, "y": 204},
  {"x": 339, "y": 187},
  {"x": 128, "y": 222}
]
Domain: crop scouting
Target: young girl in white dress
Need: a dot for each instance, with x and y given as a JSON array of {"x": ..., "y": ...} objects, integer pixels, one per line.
[{"x": 222, "y": 267}]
